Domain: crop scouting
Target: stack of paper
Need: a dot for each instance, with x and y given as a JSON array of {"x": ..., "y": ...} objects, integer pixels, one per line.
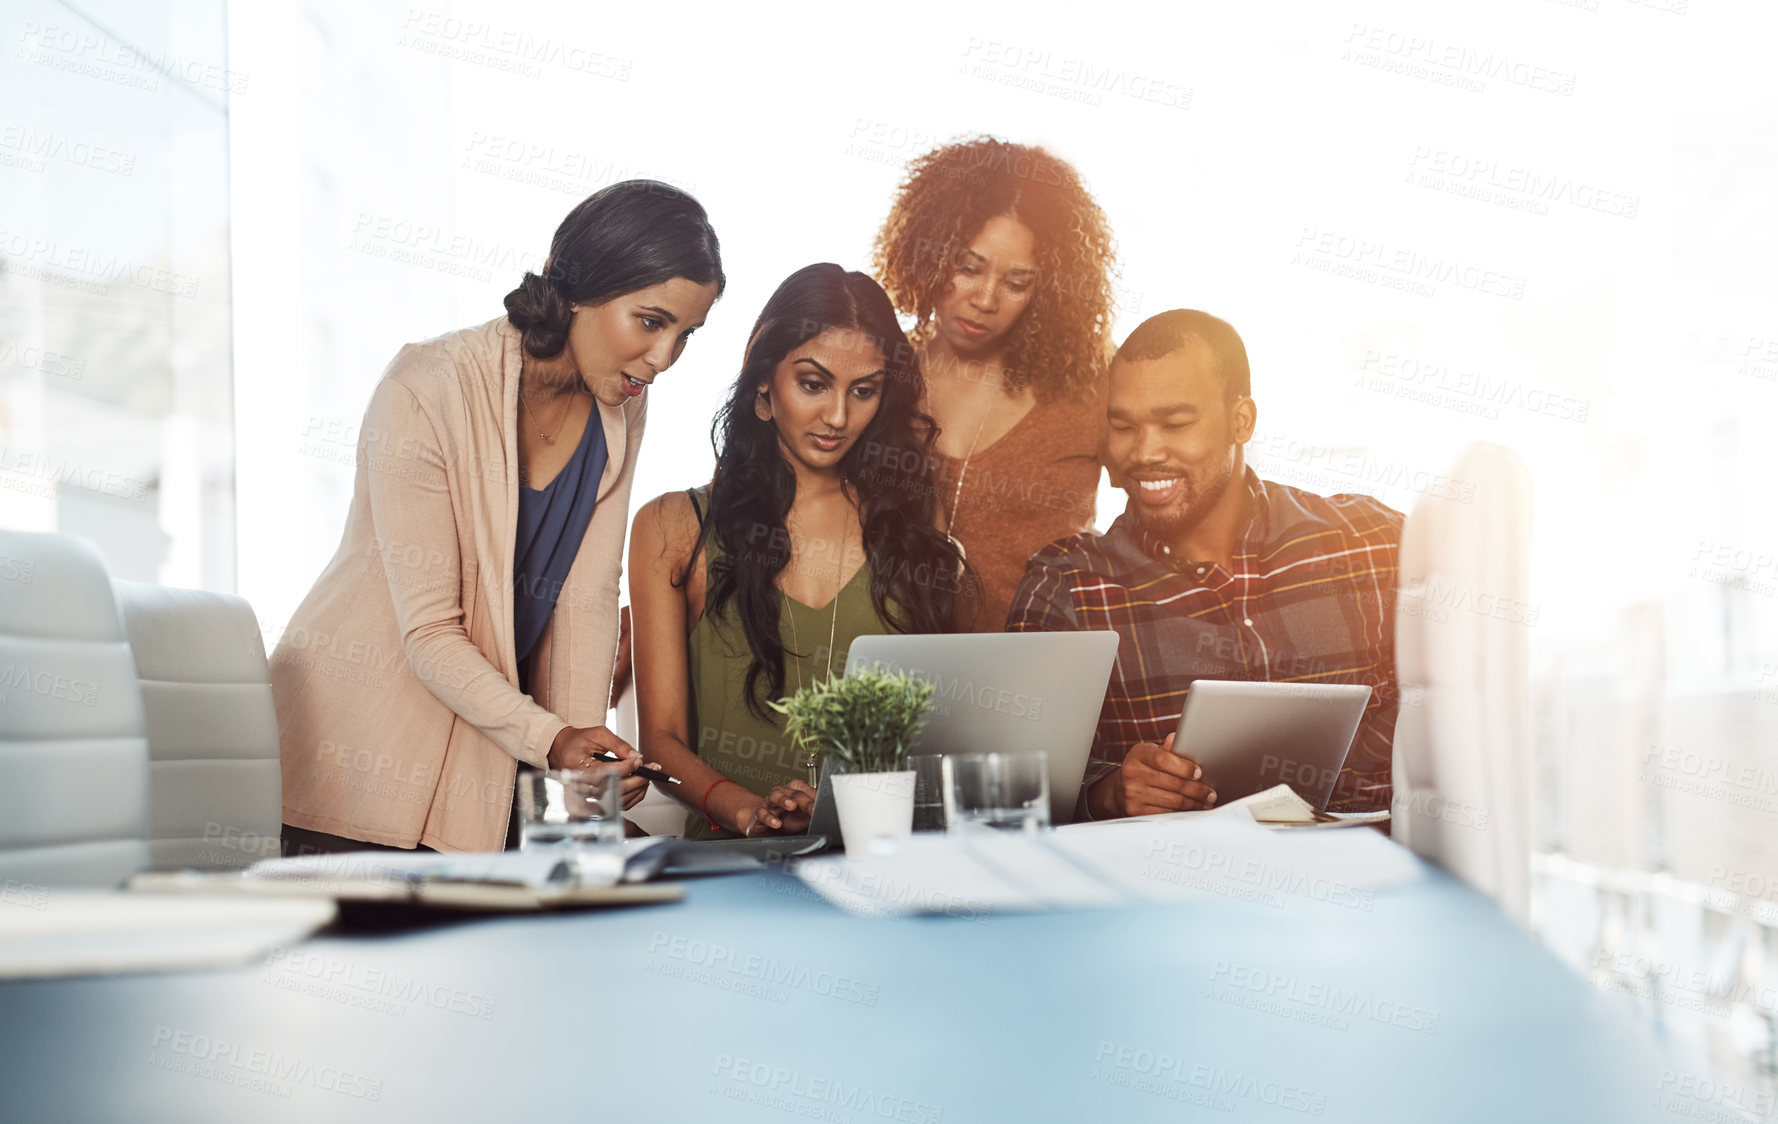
[
  {"x": 541, "y": 878},
  {"x": 1150, "y": 859},
  {"x": 534, "y": 868},
  {"x": 1278, "y": 806}
]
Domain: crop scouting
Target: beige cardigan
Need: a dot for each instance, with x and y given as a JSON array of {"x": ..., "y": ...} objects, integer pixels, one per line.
[{"x": 396, "y": 683}]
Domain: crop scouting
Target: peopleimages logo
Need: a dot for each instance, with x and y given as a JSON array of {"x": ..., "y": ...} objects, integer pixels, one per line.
[
  {"x": 1435, "y": 599},
  {"x": 1712, "y": 1100},
  {"x": 1337, "y": 469},
  {"x": 723, "y": 961},
  {"x": 48, "y": 684},
  {"x": 1453, "y": 171},
  {"x": 231, "y": 1063},
  {"x": 1293, "y": 997},
  {"x": 1743, "y": 882},
  {"x": 47, "y": 259},
  {"x": 38, "y": 147},
  {"x": 1711, "y": 776},
  {"x": 24, "y": 894},
  {"x": 1453, "y": 64},
  {"x": 1000, "y": 700},
  {"x": 79, "y": 50},
  {"x": 1152, "y": 1071},
  {"x": 1379, "y": 257},
  {"x": 16, "y": 569},
  {"x": 379, "y": 989},
  {"x": 505, "y": 48},
  {"x": 1705, "y": 989},
  {"x": 1219, "y": 869},
  {"x": 1070, "y": 78},
  {"x": 1466, "y": 391},
  {"x": 816, "y": 1097}
]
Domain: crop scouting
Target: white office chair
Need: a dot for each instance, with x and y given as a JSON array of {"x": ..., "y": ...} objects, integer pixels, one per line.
[
  {"x": 214, "y": 793},
  {"x": 73, "y": 755},
  {"x": 1462, "y": 642}
]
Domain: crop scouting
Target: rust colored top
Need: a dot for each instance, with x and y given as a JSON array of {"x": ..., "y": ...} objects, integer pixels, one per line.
[{"x": 1035, "y": 485}]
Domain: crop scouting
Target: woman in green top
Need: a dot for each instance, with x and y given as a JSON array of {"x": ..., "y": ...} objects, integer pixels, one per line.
[{"x": 819, "y": 526}]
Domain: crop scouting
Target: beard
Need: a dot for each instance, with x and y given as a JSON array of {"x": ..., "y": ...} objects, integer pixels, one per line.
[{"x": 1198, "y": 493}]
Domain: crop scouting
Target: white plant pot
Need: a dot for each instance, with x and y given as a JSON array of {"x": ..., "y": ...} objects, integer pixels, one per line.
[{"x": 874, "y": 805}]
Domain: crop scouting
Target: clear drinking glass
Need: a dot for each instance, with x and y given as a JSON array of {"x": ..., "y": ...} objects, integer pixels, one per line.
[
  {"x": 572, "y": 807},
  {"x": 1009, "y": 791},
  {"x": 929, "y": 792}
]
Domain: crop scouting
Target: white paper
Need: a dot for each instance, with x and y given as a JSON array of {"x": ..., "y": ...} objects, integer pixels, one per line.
[
  {"x": 1276, "y": 805},
  {"x": 1154, "y": 859},
  {"x": 594, "y": 866},
  {"x": 87, "y": 932}
]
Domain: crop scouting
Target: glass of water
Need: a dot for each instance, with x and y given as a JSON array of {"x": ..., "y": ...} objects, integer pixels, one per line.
[
  {"x": 570, "y": 807},
  {"x": 1009, "y": 791},
  {"x": 929, "y": 792}
]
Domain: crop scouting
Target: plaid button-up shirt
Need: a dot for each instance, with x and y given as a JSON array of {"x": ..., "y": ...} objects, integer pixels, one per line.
[{"x": 1311, "y": 600}]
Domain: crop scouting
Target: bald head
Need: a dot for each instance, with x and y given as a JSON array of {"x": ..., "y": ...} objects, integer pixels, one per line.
[{"x": 1166, "y": 333}]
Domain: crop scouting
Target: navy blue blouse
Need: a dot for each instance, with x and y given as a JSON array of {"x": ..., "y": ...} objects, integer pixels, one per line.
[{"x": 552, "y": 522}]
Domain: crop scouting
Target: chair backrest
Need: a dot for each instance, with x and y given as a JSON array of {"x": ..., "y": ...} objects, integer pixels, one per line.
[
  {"x": 214, "y": 794},
  {"x": 1462, "y": 644},
  {"x": 73, "y": 755}
]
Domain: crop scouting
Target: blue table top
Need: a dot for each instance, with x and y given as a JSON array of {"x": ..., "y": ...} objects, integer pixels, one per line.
[{"x": 755, "y": 1000}]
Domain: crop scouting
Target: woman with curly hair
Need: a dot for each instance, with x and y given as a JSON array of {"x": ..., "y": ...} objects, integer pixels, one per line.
[
  {"x": 803, "y": 541},
  {"x": 1005, "y": 262}
]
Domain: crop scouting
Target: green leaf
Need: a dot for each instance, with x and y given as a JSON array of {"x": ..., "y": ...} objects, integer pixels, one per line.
[{"x": 866, "y": 721}]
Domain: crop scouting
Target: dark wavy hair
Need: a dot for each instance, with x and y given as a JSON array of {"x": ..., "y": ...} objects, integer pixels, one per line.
[
  {"x": 1061, "y": 345},
  {"x": 621, "y": 238},
  {"x": 917, "y": 573}
]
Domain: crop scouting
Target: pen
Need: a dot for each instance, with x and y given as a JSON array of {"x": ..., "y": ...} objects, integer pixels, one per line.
[{"x": 641, "y": 771}]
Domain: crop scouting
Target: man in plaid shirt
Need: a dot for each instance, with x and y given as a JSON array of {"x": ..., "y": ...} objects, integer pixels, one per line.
[{"x": 1214, "y": 573}]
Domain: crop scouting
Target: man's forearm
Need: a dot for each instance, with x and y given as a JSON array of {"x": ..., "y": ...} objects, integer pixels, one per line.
[{"x": 1105, "y": 797}]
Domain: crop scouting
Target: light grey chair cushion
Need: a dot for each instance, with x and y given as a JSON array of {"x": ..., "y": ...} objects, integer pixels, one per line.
[
  {"x": 73, "y": 755},
  {"x": 1464, "y": 616},
  {"x": 214, "y": 793}
]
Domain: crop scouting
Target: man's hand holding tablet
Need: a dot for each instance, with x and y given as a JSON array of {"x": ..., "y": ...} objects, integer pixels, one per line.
[{"x": 1153, "y": 779}]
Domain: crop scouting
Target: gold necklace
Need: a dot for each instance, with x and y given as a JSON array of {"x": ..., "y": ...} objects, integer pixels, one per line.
[
  {"x": 550, "y": 437},
  {"x": 963, "y": 471},
  {"x": 812, "y": 762}
]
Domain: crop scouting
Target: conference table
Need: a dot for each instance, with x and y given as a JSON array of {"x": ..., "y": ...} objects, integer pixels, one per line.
[{"x": 754, "y": 999}]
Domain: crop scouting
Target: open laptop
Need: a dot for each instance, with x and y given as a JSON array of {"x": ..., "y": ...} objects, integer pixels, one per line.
[
  {"x": 994, "y": 693},
  {"x": 1010, "y": 692},
  {"x": 1248, "y": 737}
]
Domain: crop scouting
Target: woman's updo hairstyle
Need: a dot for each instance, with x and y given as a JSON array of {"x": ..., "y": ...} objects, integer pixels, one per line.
[{"x": 629, "y": 236}]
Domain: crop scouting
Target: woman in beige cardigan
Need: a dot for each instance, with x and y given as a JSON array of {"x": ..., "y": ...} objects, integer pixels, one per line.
[{"x": 469, "y": 621}]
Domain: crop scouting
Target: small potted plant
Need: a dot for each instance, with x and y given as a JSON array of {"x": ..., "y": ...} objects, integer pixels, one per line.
[{"x": 866, "y": 722}]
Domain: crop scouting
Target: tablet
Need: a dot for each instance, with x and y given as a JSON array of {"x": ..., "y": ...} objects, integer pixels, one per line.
[{"x": 1248, "y": 737}]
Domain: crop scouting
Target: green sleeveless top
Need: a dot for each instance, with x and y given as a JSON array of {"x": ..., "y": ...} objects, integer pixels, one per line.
[{"x": 730, "y": 738}]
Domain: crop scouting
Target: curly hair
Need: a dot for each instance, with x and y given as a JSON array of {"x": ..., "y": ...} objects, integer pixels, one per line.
[{"x": 1061, "y": 345}]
